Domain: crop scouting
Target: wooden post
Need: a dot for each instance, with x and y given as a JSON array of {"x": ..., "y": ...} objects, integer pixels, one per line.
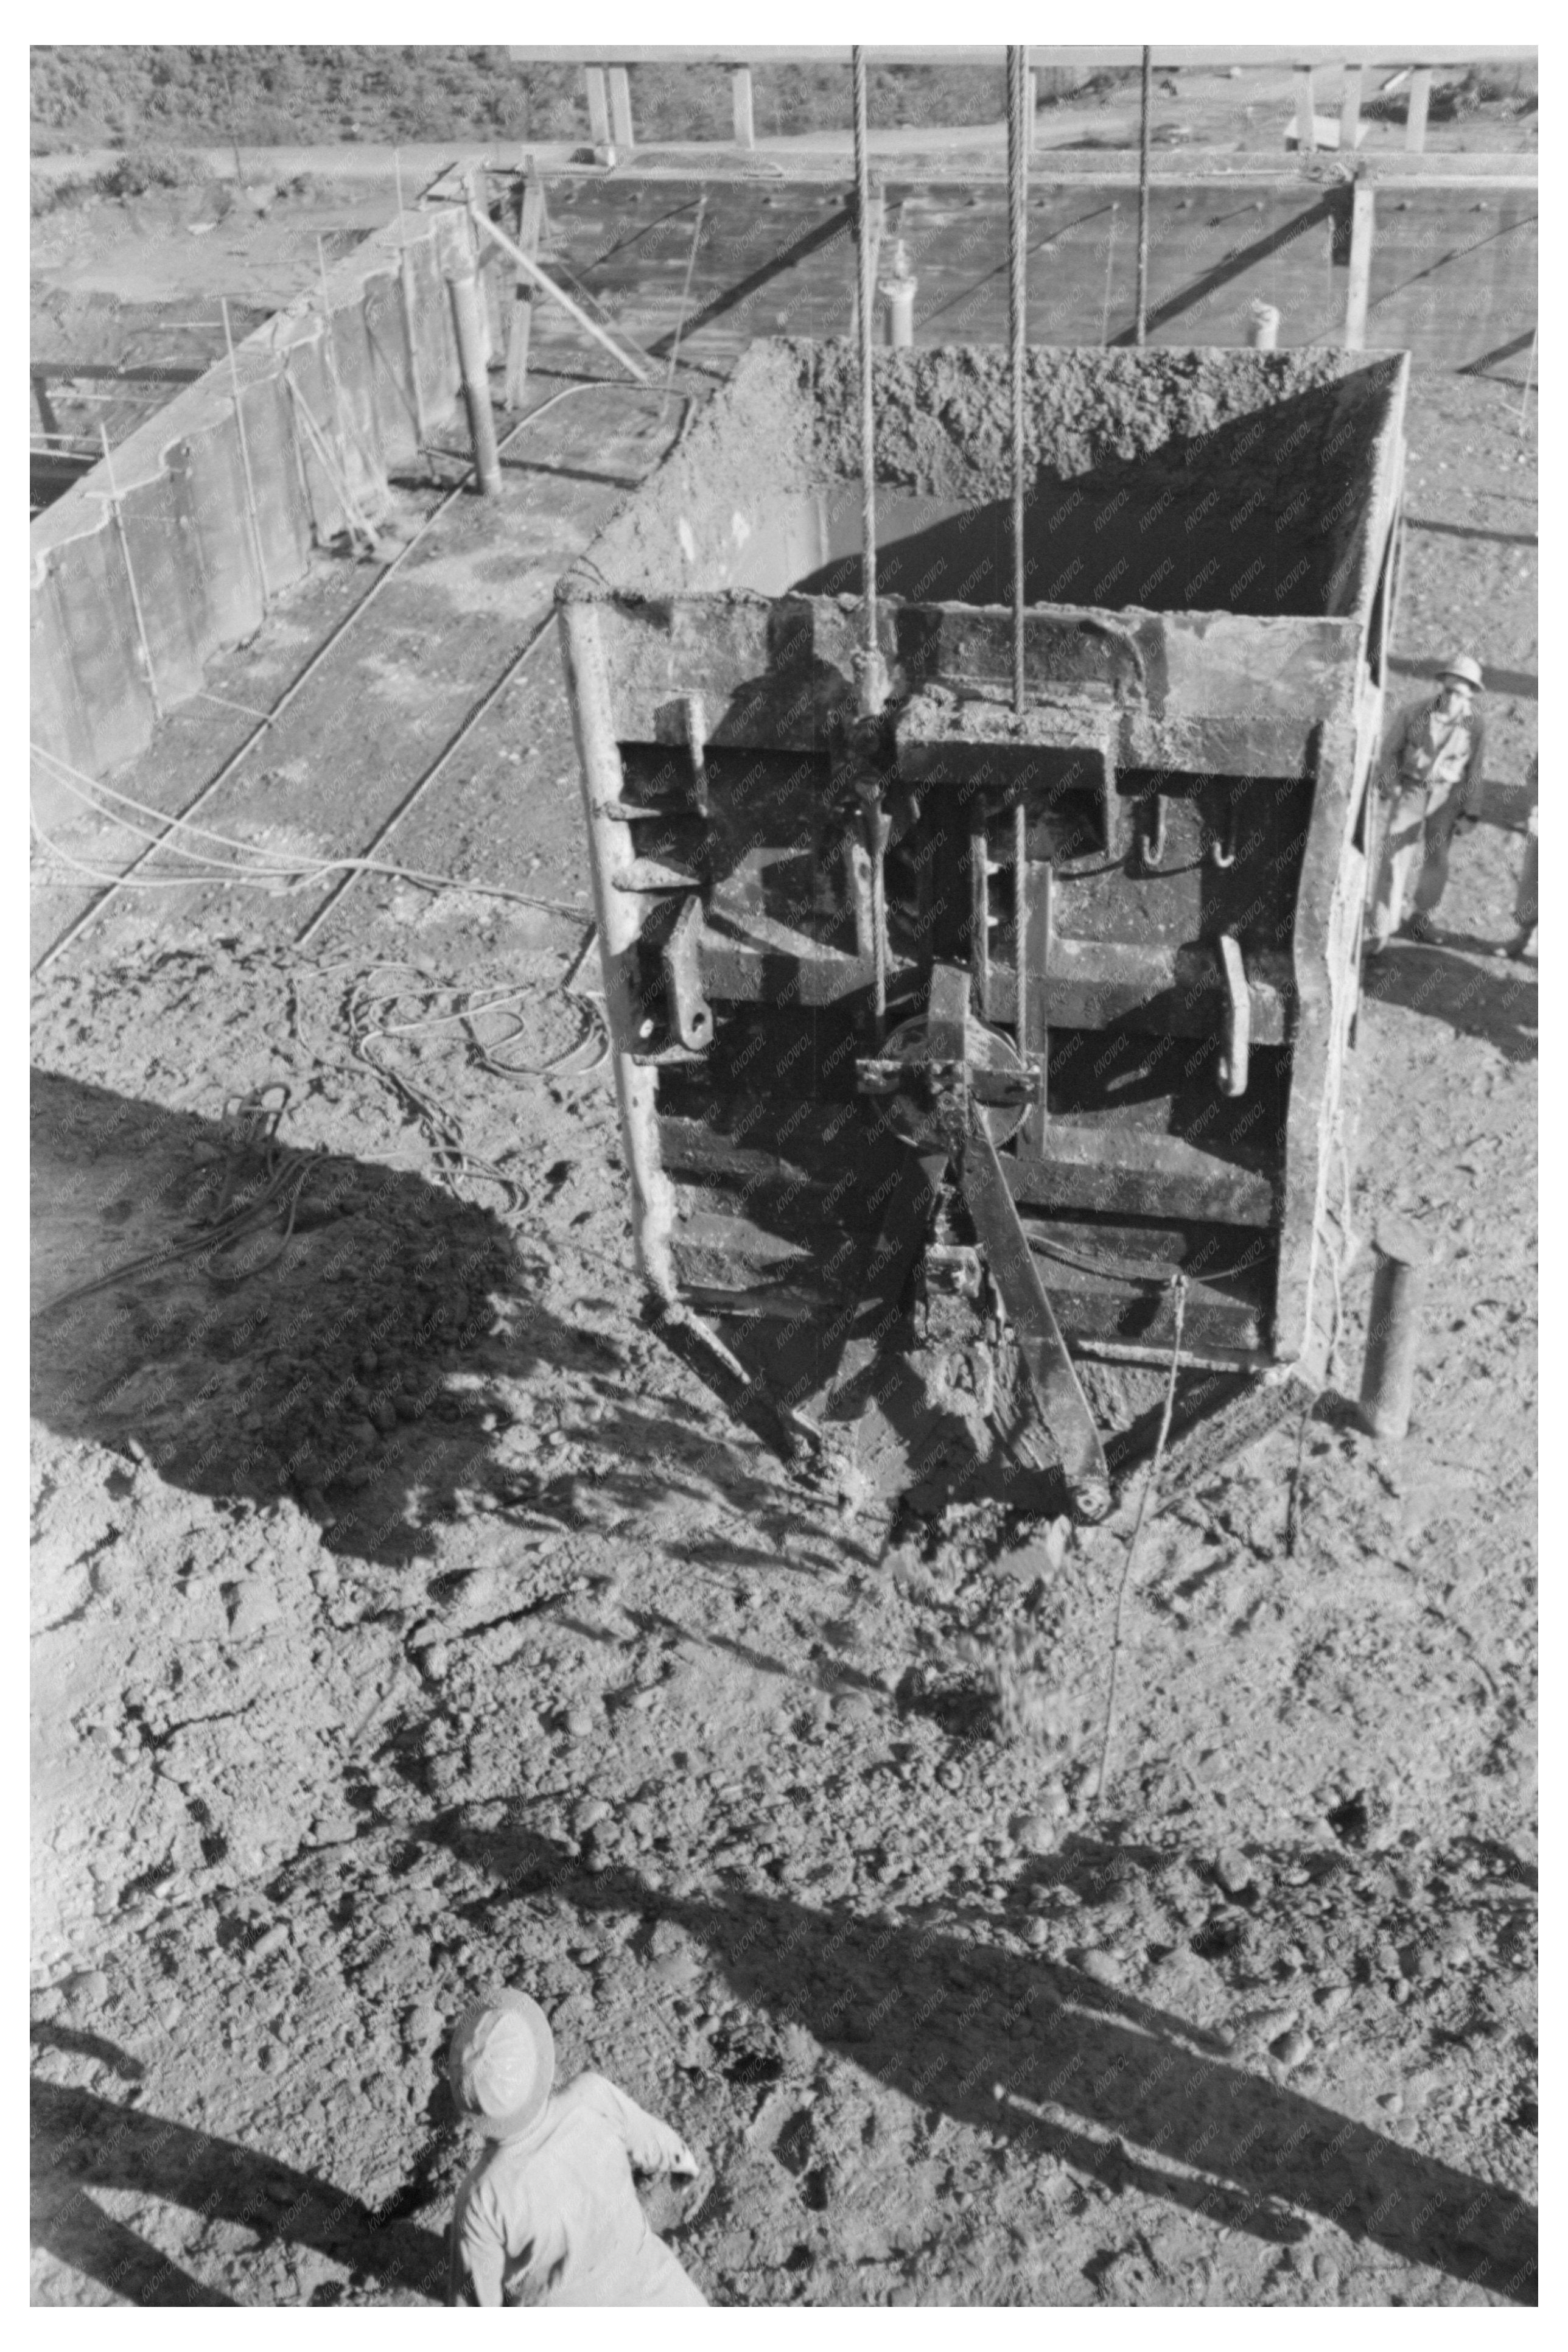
[
  {"x": 1416, "y": 120},
  {"x": 1306, "y": 120},
  {"x": 598, "y": 111},
  {"x": 1031, "y": 107},
  {"x": 1350, "y": 109},
  {"x": 621, "y": 108},
  {"x": 529, "y": 235},
  {"x": 741, "y": 91},
  {"x": 475, "y": 187},
  {"x": 1362, "y": 204},
  {"x": 464, "y": 289}
]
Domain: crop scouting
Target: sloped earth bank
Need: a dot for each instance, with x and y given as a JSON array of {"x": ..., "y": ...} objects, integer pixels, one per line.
[{"x": 406, "y": 1619}]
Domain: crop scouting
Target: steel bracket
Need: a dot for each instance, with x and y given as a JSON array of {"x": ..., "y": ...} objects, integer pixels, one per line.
[
  {"x": 1234, "y": 1055},
  {"x": 689, "y": 1015}
]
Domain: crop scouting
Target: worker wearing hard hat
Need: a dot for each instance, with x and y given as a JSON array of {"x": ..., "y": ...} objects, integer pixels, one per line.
[
  {"x": 549, "y": 2214},
  {"x": 1431, "y": 779}
]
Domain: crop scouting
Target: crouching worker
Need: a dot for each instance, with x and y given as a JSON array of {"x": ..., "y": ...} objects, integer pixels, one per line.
[{"x": 549, "y": 2214}]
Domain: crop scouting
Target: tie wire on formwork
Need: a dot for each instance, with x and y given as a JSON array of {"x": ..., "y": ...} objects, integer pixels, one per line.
[{"x": 260, "y": 869}]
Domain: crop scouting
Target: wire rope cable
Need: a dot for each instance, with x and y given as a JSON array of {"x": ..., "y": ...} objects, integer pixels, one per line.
[
  {"x": 1017, "y": 295},
  {"x": 863, "y": 259}
]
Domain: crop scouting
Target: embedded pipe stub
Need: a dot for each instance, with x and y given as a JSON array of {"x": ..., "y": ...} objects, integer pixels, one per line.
[
  {"x": 899, "y": 294},
  {"x": 1393, "y": 1335}
]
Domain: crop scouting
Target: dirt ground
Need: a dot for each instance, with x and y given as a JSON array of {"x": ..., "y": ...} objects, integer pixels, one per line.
[{"x": 408, "y": 1618}]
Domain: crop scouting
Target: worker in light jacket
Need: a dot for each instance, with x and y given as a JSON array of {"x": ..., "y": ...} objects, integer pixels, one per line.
[
  {"x": 549, "y": 2214},
  {"x": 1430, "y": 781}
]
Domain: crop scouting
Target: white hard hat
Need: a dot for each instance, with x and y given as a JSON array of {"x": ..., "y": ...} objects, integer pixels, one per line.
[
  {"x": 501, "y": 2064},
  {"x": 1463, "y": 666}
]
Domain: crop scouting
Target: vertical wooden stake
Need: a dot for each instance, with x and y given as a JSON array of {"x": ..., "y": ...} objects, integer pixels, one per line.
[
  {"x": 1306, "y": 119},
  {"x": 1363, "y": 211},
  {"x": 1416, "y": 120},
  {"x": 741, "y": 91},
  {"x": 598, "y": 111},
  {"x": 530, "y": 234},
  {"x": 621, "y": 108},
  {"x": 1350, "y": 109},
  {"x": 464, "y": 289}
]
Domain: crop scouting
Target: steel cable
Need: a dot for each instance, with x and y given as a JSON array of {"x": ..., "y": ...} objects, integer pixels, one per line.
[
  {"x": 868, "y": 414},
  {"x": 284, "y": 876},
  {"x": 1017, "y": 291},
  {"x": 1141, "y": 329}
]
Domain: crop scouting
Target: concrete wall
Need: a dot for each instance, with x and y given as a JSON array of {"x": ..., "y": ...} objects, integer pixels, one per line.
[{"x": 188, "y": 535}]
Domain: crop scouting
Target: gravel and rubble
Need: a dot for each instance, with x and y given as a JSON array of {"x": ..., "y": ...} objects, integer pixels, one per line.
[{"x": 405, "y": 1617}]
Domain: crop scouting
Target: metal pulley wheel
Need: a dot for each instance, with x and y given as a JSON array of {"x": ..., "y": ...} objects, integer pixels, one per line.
[{"x": 917, "y": 1121}]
